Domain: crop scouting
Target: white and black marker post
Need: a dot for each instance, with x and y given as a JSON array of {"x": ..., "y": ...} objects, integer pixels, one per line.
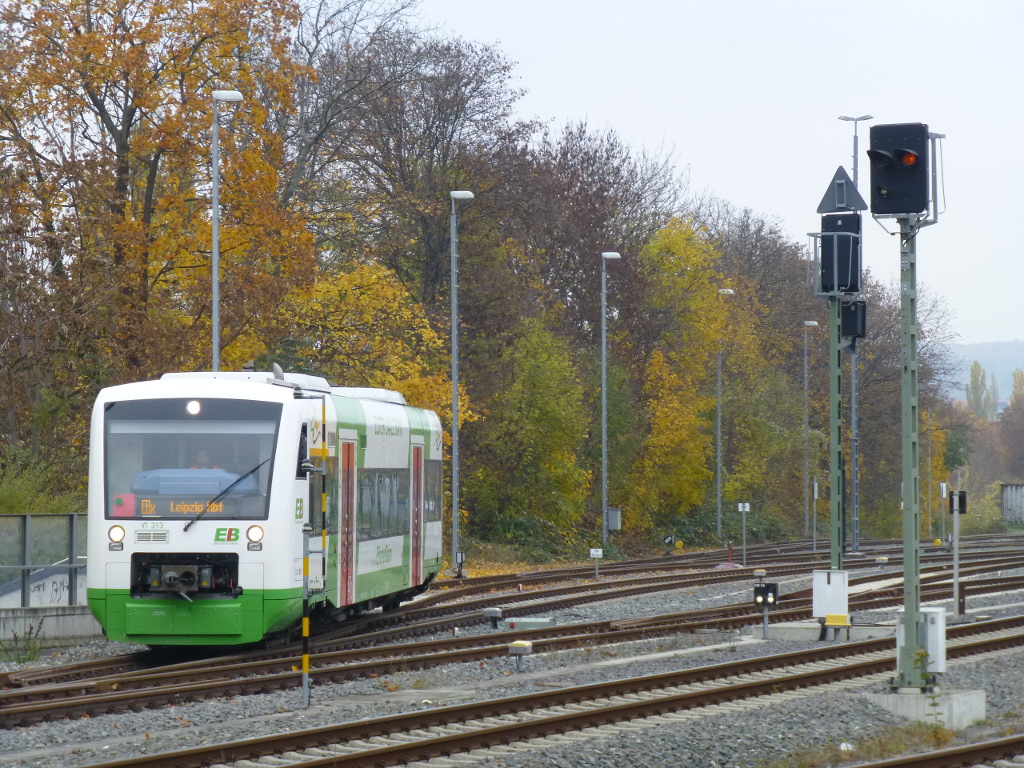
[
  {"x": 957, "y": 507},
  {"x": 744, "y": 508},
  {"x": 307, "y": 529}
]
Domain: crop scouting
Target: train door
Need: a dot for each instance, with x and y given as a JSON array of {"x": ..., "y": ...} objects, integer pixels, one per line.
[
  {"x": 417, "y": 514},
  {"x": 346, "y": 525},
  {"x": 332, "y": 510},
  {"x": 309, "y": 489}
]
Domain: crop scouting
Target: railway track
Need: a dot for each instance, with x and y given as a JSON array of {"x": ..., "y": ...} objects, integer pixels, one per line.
[
  {"x": 585, "y": 710},
  {"x": 533, "y": 597},
  {"x": 455, "y": 609},
  {"x": 38, "y": 700},
  {"x": 997, "y": 753}
]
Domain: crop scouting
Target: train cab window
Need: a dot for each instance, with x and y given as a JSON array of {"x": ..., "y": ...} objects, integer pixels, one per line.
[{"x": 150, "y": 454}]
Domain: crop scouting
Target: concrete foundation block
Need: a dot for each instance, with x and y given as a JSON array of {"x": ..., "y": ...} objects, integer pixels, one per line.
[
  {"x": 533, "y": 622},
  {"x": 951, "y": 709},
  {"x": 811, "y": 630}
]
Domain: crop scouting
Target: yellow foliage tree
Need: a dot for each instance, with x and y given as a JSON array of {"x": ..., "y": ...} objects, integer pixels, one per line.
[
  {"x": 361, "y": 328},
  {"x": 671, "y": 474},
  {"x": 932, "y": 472}
]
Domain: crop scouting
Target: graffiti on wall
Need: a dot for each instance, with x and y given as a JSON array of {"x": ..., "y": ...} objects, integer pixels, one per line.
[{"x": 47, "y": 587}]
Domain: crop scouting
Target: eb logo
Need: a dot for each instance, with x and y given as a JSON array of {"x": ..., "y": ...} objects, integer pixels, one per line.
[{"x": 227, "y": 535}]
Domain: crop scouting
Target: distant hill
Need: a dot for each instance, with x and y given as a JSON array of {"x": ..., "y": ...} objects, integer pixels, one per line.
[{"x": 999, "y": 359}]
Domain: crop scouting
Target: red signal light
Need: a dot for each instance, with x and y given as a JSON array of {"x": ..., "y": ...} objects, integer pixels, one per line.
[{"x": 907, "y": 158}]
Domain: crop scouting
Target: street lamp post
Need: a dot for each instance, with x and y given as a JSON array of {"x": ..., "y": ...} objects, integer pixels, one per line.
[
  {"x": 218, "y": 97},
  {"x": 458, "y": 558},
  {"x": 604, "y": 397},
  {"x": 807, "y": 441},
  {"x": 718, "y": 433},
  {"x": 854, "y": 403},
  {"x": 855, "y": 120}
]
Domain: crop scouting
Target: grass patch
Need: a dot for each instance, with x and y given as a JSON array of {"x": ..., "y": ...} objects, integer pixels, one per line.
[
  {"x": 893, "y": 742},
  {"x": 23, "y": 648},
  {"x": 489, "y": 559}
]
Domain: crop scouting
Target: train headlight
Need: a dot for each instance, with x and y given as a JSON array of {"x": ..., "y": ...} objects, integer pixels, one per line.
[
  {"x": 116, "y": 534},
  {"x": 254, "y": 534}
]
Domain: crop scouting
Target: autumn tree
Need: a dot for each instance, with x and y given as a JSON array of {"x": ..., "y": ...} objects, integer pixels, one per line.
[
  {"x": 104, "y": 117},
  {"x": 439, "y": 117},
  {"x": 593, "y": 193},
  {"x": 360, "y": 327},
  {"x": 670, "y": 474},
  {"x": 773, "y": 268},
  {"x": 982, "y": 393},
  {"x": 1011, "y": 432},
  {"x": 524, "y": 476},
  {"x": 343, "y": 49},
  {"x": 879, "y": 382},
  {"x": 762, "y": 414}
]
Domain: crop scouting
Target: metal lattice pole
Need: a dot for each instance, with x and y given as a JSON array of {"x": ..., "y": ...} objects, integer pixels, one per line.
[
  {"x": 835, "y": 460},
  {"x": 910, "y": 669}
]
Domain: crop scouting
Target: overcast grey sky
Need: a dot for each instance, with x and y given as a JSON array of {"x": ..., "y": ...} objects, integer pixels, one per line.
[{"x": 746, "y": 94}]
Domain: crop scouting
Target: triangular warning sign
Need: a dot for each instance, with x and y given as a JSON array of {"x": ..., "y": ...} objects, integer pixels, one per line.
[{"x": 841, "y": 195}]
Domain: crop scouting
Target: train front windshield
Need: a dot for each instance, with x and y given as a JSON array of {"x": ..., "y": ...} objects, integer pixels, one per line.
[{"x": 177, "y": 458}]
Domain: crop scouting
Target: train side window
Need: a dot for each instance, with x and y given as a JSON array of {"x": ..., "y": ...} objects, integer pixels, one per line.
[{"x": 303, "y": 453}]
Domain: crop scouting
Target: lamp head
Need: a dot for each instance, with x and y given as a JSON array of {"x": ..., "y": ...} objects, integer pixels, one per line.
[
  {"x": 726, "y": 291},
  {"x": 461, "y": 194},
  {"x": 227, "y": 96},
  {"x": 856, "y": 119},
  {"x": 611, "y": 255},
  {"x": 811, "y": 323}
]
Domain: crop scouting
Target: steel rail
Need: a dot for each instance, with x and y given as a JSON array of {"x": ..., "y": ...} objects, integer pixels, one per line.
[
  {"x": 133, "y": 692},
  {"x": 538, "y": 725}
]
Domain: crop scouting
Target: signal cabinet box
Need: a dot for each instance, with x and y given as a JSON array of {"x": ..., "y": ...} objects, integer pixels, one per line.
[
  {"x": 932, "y": 637},
  {"x": 840, "y": 253},
  {"x": 830, "y": 593},
  {"x": 853, "y": 320}
]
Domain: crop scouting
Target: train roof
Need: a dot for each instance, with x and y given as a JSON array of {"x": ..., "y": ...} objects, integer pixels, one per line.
[
  {"x": 370, "y": 393},
  {"x": 301, "y": 380}
]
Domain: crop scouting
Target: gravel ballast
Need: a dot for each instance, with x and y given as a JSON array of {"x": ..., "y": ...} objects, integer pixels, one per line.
[{"x": 739, "y": 736}]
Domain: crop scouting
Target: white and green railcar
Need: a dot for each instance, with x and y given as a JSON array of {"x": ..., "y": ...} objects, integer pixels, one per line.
[{"x": 207, "y": 491}]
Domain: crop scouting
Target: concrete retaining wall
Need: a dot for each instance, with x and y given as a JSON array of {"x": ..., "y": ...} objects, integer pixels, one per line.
[{"x": 56, "y": 626}]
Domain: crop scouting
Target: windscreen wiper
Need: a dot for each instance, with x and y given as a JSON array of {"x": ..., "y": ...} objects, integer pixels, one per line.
[{"x": 222, "y": 494}]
